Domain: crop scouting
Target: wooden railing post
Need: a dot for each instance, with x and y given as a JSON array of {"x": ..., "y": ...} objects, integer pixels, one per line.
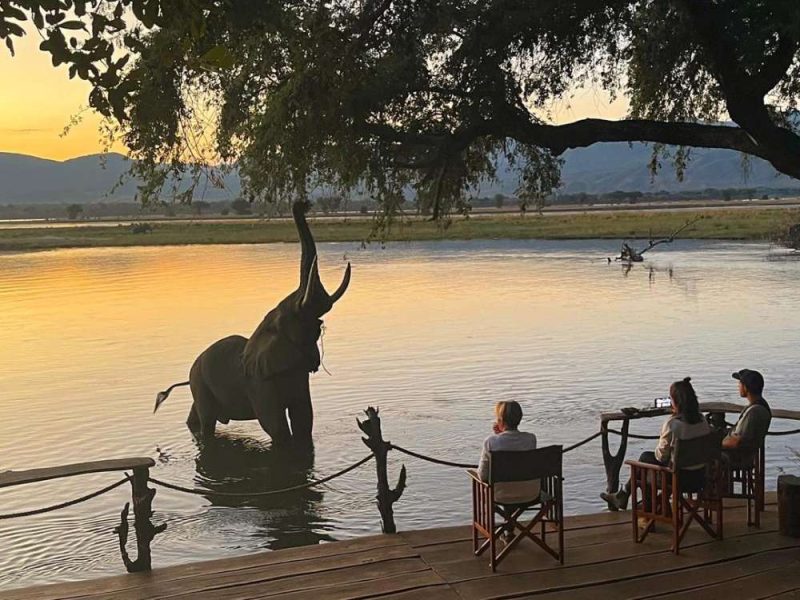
[
  {"x": 145, "y": 530},
  {"x": 613, "y": 462},
  {"x": 380, "y": 448}
]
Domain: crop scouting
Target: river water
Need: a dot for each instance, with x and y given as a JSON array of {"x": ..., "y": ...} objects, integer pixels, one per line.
[{"x": 432, "y": 333}]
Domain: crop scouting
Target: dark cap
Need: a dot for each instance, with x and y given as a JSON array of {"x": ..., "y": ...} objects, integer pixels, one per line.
[{"x": 752, "y": 380}]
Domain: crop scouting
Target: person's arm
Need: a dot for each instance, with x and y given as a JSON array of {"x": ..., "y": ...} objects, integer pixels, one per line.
[
  {"x": 483, "y": 465},
  {"x": 741, "y": 433},
  {"x": 731, "y": 441},
  {"x": 664, "y": 445}
]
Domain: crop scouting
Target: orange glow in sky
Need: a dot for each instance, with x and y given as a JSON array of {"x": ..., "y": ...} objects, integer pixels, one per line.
[{"x": 37, "y": 101}]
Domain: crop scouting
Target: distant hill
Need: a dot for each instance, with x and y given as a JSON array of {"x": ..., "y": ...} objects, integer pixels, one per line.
[
  {"x": 27, "y": 180},
  {"x": 619, "y": 166},
  {"x": 598, "y": 169}
]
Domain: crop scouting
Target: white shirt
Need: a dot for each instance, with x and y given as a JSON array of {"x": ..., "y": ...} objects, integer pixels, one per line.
[
  {"x": 511, "y": 440},
  {"x": 676, "y": 428}
]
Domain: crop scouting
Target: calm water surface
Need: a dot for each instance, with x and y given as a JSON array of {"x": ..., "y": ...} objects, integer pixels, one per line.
[{"x": 433, "y": 333}]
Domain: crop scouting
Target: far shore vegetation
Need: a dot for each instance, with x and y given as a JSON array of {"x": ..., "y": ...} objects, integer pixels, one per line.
[{"x": 757, "y": 224}]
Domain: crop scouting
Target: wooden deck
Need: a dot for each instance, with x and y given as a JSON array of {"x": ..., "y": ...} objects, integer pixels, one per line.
[{"x": 601, "y": 562}]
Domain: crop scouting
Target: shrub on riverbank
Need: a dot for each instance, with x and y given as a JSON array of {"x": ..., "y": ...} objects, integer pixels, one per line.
[{"x": 734, "y": 224}]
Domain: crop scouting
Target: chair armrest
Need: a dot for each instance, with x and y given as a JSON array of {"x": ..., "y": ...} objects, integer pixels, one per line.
[
  {"x": 648, "y": 466},
  {"x": 476, "y": 478}
]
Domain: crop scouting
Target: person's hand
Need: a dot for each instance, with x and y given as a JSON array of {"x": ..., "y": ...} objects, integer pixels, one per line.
[{"x": 496, "y": 427}]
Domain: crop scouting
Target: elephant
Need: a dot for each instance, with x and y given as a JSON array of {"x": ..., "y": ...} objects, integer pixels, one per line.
[{"x": 266, "y": 376}]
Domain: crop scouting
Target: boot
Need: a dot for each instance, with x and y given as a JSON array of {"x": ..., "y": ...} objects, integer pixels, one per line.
[{"x": 618, "y": 500}]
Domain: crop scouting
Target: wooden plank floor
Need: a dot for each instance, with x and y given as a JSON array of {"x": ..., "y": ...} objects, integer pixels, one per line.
[{"x": 601, "y": 562}]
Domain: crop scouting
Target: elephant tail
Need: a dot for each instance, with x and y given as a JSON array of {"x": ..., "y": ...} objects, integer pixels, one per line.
[{"x": 161, "y": 396}]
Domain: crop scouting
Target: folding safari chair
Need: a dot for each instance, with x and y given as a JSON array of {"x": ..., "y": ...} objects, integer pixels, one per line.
[
  {"x": 519, "y": 481},
  {"x": 669, "y": 495},
  {"x": 743, "y": 477}
]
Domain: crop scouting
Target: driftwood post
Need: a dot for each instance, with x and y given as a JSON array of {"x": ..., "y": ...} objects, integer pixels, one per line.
[
  {"x": 380, "y": 448},
  {"x": 613, "y": 462},
  {"x": 145, "y": 530}
]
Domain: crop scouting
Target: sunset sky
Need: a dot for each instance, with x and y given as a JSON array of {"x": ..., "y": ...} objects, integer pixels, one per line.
[{"x": 37, "y": 101}]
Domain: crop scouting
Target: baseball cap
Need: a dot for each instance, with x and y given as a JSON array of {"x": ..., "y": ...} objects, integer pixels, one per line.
[{"x": 752, "y": 380}]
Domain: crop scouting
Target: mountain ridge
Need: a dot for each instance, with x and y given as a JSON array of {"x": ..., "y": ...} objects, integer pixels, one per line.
[{"x": 598, "y": 169}]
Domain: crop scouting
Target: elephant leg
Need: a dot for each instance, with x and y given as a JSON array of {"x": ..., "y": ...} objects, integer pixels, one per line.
[
  {"x": 271, "y": 416},
  {"x": 202, "y": 414},
  {"x": 301, "y": 415},
  {"x": 193, "y": 420}
]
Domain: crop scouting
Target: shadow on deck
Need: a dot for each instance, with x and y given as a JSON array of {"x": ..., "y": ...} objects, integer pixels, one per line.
[{"x": 602, "y": 561}]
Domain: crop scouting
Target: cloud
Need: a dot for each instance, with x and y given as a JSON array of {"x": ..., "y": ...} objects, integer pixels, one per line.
[{"x": 26, "y": 129}]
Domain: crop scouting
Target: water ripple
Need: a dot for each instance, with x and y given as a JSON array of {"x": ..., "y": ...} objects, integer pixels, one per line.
[{"x": 433, "y": 333}]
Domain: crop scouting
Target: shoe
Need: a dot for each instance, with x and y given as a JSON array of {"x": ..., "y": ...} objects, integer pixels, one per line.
[{"x": 618, "y": 500}]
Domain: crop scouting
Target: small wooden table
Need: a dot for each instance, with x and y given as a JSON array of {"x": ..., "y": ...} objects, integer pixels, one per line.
[{"x": 717, "y": 410}]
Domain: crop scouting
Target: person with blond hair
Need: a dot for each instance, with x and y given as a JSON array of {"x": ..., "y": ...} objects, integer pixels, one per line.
[{"x": 507, "y": 436}]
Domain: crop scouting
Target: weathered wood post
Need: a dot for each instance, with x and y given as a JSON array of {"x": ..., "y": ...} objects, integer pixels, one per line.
[
  {"x": 789, "y": 505},
  {"x": 613, "y": 462},
  {"x": 380, "y": 448},
  {"x": 145, "y": 530}
]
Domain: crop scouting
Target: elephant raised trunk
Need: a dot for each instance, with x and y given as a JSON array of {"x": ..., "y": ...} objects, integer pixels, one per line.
[
  {"x": 265, "y": 377},
  {"x": 314, "y": 296},
  {"x": 287, "y": 337}
]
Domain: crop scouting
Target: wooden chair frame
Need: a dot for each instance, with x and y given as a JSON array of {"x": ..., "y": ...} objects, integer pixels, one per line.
[
  {"x": 545, "y": 465},
  {"x": 744, "y": 479},
  {"x": 668, "y": 503}
]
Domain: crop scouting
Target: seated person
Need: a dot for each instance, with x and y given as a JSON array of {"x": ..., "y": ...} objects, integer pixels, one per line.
[
  {"x": 685, "y": 423},
  {"x": 506, "y": 435},
  {"x": 753, "y": 424}
]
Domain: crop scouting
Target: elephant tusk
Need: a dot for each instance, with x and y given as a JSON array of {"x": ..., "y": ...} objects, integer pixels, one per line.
[
  {"x": 342, "y": 286},
  {"x": 313, "y": 278}
]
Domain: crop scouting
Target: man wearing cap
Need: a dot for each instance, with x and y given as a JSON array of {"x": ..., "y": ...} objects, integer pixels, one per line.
[{"x": 753, "y": 423}]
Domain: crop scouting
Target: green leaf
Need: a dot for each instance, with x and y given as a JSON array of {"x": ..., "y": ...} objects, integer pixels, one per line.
[
  {"x": 150, "y": 16},
  {"x": 14, "y": 29},
  {"x": 72, "y": 25},
  {"x": 217, "y": 58},
  {"x": 38, "y": 19},
  {"x": 14, "y": 13}
]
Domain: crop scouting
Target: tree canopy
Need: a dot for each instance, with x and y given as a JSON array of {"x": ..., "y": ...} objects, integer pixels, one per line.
[{"x": 391, "y": 95}]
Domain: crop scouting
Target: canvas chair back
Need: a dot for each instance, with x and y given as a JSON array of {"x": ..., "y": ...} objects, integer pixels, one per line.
[
  {"x": 516, "y": 475},
  {"x": 696, "y": 451}
]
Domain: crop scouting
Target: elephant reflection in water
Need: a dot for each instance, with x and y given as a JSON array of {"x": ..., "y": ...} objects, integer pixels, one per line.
[
  {"x": 266, "y": 376},
  {"x": 245, "y": 465}
]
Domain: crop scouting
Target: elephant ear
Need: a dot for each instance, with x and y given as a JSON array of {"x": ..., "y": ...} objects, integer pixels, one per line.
[{"x": 277, "y": 346}]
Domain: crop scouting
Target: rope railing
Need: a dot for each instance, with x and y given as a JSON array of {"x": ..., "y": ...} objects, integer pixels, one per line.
[
  {"x": 447, "y": 463},
  {"x": 582, "y": 442},
  {"x": 430, "y": 459},
  {"x": 634, "y": 435},
  {"x": 294, "y": 488},
  {"x": 47, "y": 509},
  {"x": 143, "y": 496}
]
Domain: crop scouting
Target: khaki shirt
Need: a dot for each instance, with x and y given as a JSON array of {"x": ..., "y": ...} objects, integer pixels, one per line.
[{"x": 753, "y": 425}]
